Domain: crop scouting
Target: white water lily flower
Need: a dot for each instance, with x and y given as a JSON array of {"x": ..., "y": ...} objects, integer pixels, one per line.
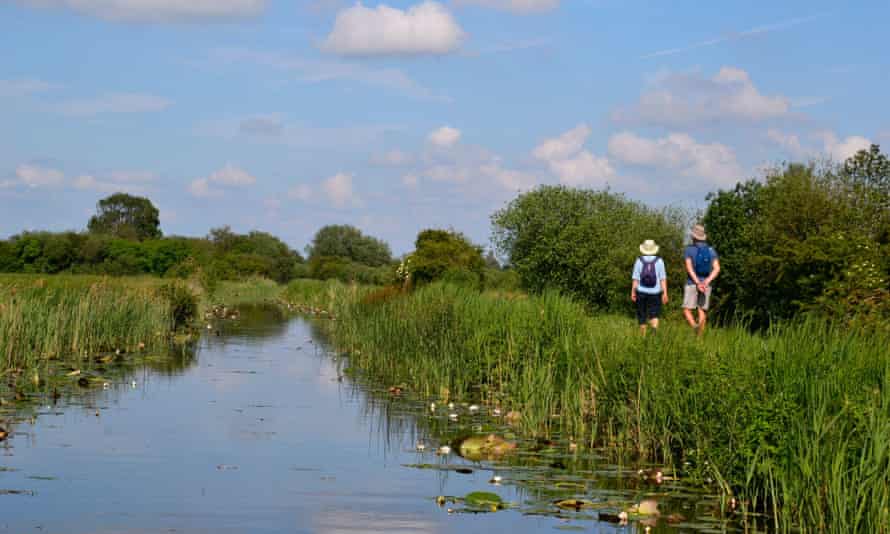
[
  {"x": 444, "y": 449},
  {"x": 474, "y": 408},
  {"x": 452, "y": 416}
]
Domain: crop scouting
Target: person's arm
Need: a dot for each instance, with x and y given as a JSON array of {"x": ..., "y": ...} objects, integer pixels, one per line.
[
  {"x": 714, "y": 272},
  {"x": 638, "y": 268},
  {"x": 662, "y": 274},
  {"x": 690, "y": 270}
]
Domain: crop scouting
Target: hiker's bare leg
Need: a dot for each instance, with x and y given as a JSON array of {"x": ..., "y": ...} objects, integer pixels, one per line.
[
  {"x": 689, "y": 318},
  {"x": 643, "y": 329},
  {"x": 654, "y": 323},
  {"x": 702, "y": 319}
]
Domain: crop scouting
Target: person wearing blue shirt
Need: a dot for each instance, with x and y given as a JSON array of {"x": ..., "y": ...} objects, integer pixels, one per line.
[
  {"x": 702, "y": 267},
  {"x": 649, "y": 286}
]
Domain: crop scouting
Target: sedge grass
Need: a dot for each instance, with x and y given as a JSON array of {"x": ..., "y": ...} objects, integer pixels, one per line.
[
  {"x": 75, "y": 316},
  {"x": 795, "y": 422}
]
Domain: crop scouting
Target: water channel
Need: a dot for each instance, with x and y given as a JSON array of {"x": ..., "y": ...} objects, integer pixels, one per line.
[{"x": 259, "y": 432}]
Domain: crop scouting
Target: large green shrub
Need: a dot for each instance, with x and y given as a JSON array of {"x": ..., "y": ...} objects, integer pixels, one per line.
[
  {"x": 584, "y": 242},
  {"x": 446, "y": 252},
  {"x": 349, "y": 243},
  {"x": 807, "y": 238}
]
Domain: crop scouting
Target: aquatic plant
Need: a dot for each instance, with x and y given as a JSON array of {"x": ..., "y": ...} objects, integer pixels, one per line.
[{"x": 793, "y": 421}]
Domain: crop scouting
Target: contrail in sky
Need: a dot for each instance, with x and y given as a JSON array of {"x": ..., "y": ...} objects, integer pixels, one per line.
[{"x": 734, "y": 36}]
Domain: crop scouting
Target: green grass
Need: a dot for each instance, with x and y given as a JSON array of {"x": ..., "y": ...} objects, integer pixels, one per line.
[
  {"x": 795, "y": 421},
  {"x": 249, "y": 291},
  {"x": 76, "y": 316},
  {"x": 70, "y": 317}
]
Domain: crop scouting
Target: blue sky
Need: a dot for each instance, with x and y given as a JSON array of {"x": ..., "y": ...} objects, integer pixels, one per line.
[{"x": 286, "y": 115}]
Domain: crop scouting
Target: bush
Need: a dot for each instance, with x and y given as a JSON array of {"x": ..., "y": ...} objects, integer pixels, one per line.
[
  {"x": 583, "y": 243},
  {"x": 349, "y": 243},
  {"x": 183, "y": 303},
  {"x": 438, "y": 252},
  {"x": 809, "y": 238},
  {"x": 502, "y": 280}
]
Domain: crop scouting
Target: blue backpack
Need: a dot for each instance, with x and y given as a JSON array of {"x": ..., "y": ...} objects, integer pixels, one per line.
[
  {"x": 648, "y": 277},
  {"x": 703, "y": 261}
]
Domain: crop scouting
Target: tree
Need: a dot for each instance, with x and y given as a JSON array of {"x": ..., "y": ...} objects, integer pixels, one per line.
[
  {"x": 866, "y": 177},
  {"x": 806, "y": 238},
  {"x": 446, "y": 254},
  {"x": 348, "y": 242},
  {"x": 584, "y": 242},
  {"x": 127, "y": 217}
]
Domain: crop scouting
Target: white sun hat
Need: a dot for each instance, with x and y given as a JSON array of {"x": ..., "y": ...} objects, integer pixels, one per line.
[{"x": 649, "y": 248}]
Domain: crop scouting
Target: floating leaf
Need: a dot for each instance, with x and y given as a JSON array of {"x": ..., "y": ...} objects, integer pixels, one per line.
[
  {"x": 575, "y": 504},
  {"x": 484, "y": 499}
]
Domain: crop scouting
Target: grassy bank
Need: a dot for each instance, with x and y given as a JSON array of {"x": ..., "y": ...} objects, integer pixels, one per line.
[
  {"x": 75, "y": 316},
  {"x": 71, "y": 317},
  {"x": 795, "y": 422}
]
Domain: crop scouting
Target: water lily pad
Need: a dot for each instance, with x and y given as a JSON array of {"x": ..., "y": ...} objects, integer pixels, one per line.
[
  {"x": 483, "y": 499},
  {"x": 575, "y": 504},
  {"x": 481, "y": 447}
]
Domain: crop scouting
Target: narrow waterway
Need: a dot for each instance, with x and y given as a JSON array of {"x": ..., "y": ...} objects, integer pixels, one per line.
[{"x": 260, "y": 432}]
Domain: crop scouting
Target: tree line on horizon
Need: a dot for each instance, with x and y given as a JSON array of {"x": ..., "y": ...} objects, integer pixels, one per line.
[{"x": 803, "y": 238}]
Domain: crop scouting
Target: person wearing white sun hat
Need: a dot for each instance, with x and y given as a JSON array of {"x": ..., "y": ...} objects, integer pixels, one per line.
[{"x": 649, "y": 285}]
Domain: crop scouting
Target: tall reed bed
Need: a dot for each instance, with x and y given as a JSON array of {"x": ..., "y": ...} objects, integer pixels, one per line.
[
  {"x": 77, "y": 316},
  {"x": 795, "y": 422}
]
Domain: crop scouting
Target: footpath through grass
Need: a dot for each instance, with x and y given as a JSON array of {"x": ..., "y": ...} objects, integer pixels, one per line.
[{"x": 795, "y": 422}]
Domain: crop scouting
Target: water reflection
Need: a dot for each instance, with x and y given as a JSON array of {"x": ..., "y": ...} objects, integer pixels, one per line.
[{"x": 257, "y": 431}]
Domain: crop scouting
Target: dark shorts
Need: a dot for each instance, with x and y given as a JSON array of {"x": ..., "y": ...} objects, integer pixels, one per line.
[{"x": 648, "y": 307}]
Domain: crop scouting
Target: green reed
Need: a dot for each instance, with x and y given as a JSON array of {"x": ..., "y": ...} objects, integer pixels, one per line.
[
  {"x": 795, "y": 422},
  {"x": 76, "y": 316}
]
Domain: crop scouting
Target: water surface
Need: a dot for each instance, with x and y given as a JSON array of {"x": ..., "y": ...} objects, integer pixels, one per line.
[{"x": 260, "y": 432}]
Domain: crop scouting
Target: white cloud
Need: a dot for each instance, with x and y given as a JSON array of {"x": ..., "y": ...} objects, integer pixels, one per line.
[
  {"x": 317, "y": 71},
  {"x": 34, "y": 176},
  {"x": 232, "y": 176},
  {"x": 820, "y": 144},
  {"x": 841, "y": 149},
  {"x": 410, "y": 180},
  {"x": 393, "y": 158},
  {"x": 201, "y": 188},
  {"x": 679, "y": 152},
  {"x": 565, "y": 145},
  {"x": 752, "y": 32},
  {"x": 789, "y": 142},
  {"x": 573, "y": 165},
  {"x": 444, "y": 137},
  {"x": 117, "y": 182},
  {"x": 515, "y": 6},
  {"x": 338, "y": 189},
  {"x": 426, "y": 28},
  {"x": 157, "y": 10},
  {"x": 301, "y": 192},
  {"x": 583, "y": 169},
  {"x": 509, "y": 179},
  {"x": 229, "y": 176},
  {"x": 24, "y": 87},
  {"x": 114, "y": 103},
  {"x": 682, "y": 99},
  {"x": 262, "y": 125}
]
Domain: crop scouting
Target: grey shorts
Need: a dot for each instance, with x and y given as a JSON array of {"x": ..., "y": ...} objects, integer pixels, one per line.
[{"x": 693, "y": 298}]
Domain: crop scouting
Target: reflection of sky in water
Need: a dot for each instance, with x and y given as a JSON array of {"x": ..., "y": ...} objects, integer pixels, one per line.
[{"x": 256, "y": 436}]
